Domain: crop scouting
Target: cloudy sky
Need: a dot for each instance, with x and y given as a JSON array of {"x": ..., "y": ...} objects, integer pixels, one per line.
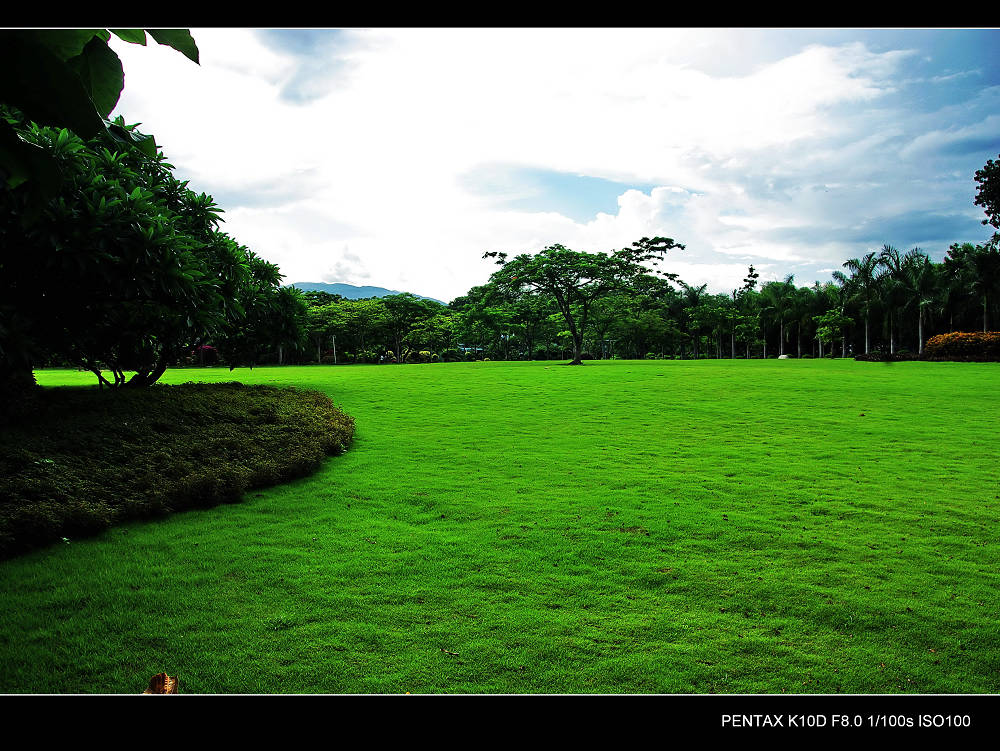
[{"x": 397, "y": 157}]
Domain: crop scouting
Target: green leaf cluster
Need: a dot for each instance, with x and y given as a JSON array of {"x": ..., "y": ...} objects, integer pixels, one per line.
[{"x": 125, "y": 269}]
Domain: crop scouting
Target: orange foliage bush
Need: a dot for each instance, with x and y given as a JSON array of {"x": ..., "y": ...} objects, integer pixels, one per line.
[{"x": 969, "y": 346}]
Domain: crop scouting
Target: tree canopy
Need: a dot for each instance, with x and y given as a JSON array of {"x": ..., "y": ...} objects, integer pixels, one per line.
[{"x": 576, "y": 279}]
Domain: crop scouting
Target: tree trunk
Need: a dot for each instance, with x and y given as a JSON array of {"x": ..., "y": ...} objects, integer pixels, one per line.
[
  {"x": 920, "y": 330},
  {"x": 577, "y": 349}
]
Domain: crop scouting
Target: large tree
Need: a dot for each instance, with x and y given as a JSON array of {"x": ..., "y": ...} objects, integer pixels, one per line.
[
  {"x": 576, "y": 279},
  {"x": 125, "y": 269}
]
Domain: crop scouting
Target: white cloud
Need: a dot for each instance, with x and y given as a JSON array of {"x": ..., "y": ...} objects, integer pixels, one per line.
[{"x": 367, "y": 182}]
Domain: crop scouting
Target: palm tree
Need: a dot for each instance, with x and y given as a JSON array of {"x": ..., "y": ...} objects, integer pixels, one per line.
[
  {"x": 692, "y": 298},
  {"x": 983, "y": 270},
  {"x": 778, "y": 298},
  {"x": 892, "y": 285},
  {"x": 863, "y": 285},
  {"x": 921, "y": 282}
]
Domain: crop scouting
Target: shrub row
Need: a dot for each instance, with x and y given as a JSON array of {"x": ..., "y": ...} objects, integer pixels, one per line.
[
  {"x": 977, "y": 346},
  {"x": 879, "y": 355},
  {"x": 84, "y": 459}
]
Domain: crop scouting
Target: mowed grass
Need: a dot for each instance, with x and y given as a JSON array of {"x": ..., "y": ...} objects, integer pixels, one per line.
[{"x": 669, "y": 527}]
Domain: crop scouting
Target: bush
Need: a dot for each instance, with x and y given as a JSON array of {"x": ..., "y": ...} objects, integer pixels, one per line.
[
  {"x": 422, "y": 356},
  {"x": 85, "y": 459},
  {"x": 977, "y": 346},
  {"x": 879, "y": 355}
]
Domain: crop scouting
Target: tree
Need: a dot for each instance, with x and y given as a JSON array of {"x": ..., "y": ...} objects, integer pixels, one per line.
[
  {"x": 265, "y": 317},
  {"x": 892, "y": 286},
  {"x": 403, "y": 312},
  {"x": 832, "y": 325},
  {"x": 575, "y": 279},
  {"x": 977, "y": 268},
  {"x": 125, "y": 269},
  {"x": 696, "y": 314},
  {"x": 921, "y": 282},
  {"x": 322, "y": 321},
  {"x": 435, "y": 333},
  {"x": 778, "y": 299},
  {"x": 748, "y": 303},
  {"x": 988, "y": 192},
  {"x": 862, "y": 285}
]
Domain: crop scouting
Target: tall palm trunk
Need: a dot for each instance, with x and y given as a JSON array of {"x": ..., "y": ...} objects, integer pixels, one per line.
[{"x": 920, "y": 330}]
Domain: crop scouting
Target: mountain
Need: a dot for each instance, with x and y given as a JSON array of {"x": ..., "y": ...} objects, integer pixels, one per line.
[{"x": 351, "y": 292}]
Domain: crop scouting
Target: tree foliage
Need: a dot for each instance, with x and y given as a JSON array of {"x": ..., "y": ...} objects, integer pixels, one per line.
[
  {"x": 575, "y": 279},
  {"x": 988, "y": 192},
  {"x": 125, "y": 269},
  {"x": 67, "y": 78}
]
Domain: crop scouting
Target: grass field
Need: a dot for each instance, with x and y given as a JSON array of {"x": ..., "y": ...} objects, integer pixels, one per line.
[{"x": 669, "y": 527}]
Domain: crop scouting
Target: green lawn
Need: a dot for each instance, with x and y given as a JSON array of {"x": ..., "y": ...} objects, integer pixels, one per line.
[{"x": 670, "y": 527}]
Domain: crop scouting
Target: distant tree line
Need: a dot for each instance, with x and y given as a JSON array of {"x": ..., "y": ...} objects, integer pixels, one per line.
[{"x": 884, "y": 301}]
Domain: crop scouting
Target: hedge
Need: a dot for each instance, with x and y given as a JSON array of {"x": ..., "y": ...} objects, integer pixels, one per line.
[
  {"x": 84, "y": 459},
  {"x": 976, "y": 346}
]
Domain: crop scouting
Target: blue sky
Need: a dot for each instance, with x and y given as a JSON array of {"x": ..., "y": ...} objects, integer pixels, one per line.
[{"x": 396, "y": 157}]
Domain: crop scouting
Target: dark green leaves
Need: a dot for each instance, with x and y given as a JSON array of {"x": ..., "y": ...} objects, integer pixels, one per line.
[
  {"x": 43, "y": 86},
  {"x": 133, "y": 36},
  {"x": 67, "y": 78},
  {"x": 68, "y": 43},
  {"x": 178, "y": 39},
  {"x": 101, "y": 73},
  {"x": 988, "y": 192}
]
